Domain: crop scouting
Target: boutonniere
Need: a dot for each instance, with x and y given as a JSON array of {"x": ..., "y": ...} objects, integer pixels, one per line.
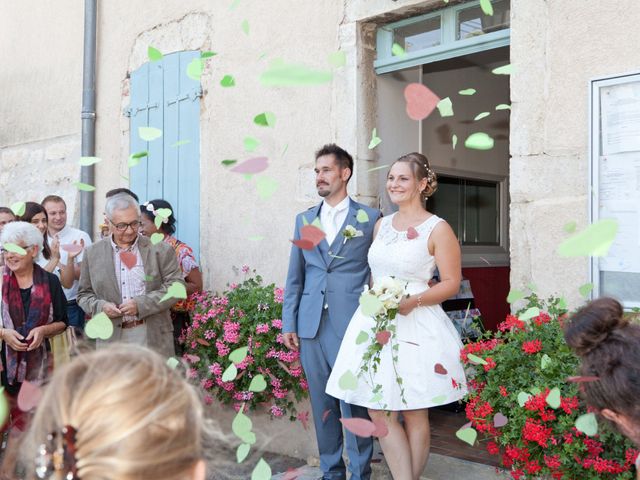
[{"x": 351, "y": 232}]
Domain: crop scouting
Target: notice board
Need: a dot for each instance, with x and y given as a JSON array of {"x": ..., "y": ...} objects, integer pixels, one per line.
[{"x": 615, "y": 183}]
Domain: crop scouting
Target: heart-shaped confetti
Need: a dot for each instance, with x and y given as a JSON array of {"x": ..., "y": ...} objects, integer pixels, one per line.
[
  {"x": 129, "y": 259},
  {"x": 312, "y": 233},
  {"x": 370, "y": 304},
  {"x": 514, "y": 296},
  {"x": 359, "y": 426},
  {"x": 439, "y": 369},
  {"x": 29, "y": 396},
  {"x": 439, "y": 400},
  {"x": 172, "y": 363},
  {"x": 412, "y": 233},
  {"x": 154, "y": 54},
  {"x": 18, "y": 208},
  {"x": 99, "y": 326},
  {"x": 553, "y": 398},
  {"x": 362, "y": 216},
  {"x": 467, "y": 435},
  {"x": 229, "y": 373},
  {"x": 595, "y": 240},
  {"x": 383, "y": 337},
  {"x": 420, "y": 101},
  {"x": 499, "y": 420},
  {"x": 362, "y": 337},
  {"x": 156, "y": 238},
  {"x": 262, "y": 471},
  {"x": 303, "y": 244},
  {"x": 175, "y": 290},
  {"x": 382, "y": 430},
  {"x": 252, "y": 165},
  {"x": 72, "y": 248},
  {"x": 529, "y": 313},
  {"x": 348, "y": 381},
  {"x": 523, "y": 397},
  {"x": 238, "y": 355},
  {"x": 587, "y": 424},
  {"x": 258, "y": 384},
  {"x": 265, "y": 119},
  {"x": 545, "y": 361}
]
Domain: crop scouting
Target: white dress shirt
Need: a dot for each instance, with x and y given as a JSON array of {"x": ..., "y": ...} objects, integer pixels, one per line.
[
  {"x": 332, "y": 218},
  {"x": 66, "y": 236}
]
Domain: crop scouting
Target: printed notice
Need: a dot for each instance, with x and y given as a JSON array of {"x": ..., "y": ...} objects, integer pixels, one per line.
[{"x": 620, "y": 117}]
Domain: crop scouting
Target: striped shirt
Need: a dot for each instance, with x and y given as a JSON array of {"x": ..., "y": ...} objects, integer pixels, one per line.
[{"x": 130, "y": 280}]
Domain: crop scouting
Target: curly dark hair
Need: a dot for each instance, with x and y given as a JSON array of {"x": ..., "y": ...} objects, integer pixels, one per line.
[{"x": 168, "y": 228}]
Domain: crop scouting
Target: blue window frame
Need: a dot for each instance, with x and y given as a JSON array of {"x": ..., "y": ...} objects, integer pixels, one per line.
[
  {"x": 164, "y": 97},
  {"x": 451, "y": 32}
]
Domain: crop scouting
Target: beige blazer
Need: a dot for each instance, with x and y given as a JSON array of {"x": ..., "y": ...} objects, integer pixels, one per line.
[{"x": 98, "y": 285}]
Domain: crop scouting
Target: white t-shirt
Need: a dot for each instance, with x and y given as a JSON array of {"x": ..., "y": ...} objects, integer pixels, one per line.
[{"x": 67, "y": 236}]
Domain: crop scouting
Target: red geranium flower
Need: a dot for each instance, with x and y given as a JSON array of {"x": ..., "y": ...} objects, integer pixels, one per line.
[{"x": 532, "y": 346}]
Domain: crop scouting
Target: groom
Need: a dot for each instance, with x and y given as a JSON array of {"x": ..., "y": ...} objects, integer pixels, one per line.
[{"x": 321, "y": 294}]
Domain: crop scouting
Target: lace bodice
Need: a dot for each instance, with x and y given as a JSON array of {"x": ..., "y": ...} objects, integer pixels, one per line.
[{"x": 393, "y": 254}]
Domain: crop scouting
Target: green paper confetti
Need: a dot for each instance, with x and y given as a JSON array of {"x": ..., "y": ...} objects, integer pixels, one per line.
[
  {"x": 87, "y": 161},
  {"x": 375, "y": 139},
  {"x": 529, "y": 313},
  {"x": 245, "y": 27},
  {"x": 553, "y": 398},
  {"x": 535, "y": 391},
  {"x": 228, "y": 81},
  {"x": 370, "y": 304},
  {"x": 154, "y": 54},
  {"x": 445, "y": 107},
  {"x": 481, "y": 115},
  {"x": 362, "y": 216},
  {"x": 381, "y": 167},
  {"x": 238, "y": 355},
  {"x": 266, "y": 119},
  {"x": 486, "y": 7},
  {"x": 195, "y": 69},
  {"x": 503, "y": 106},
  {"x": 242, "y": 452},
  {"x": 258, "y": 384},
  {"x": 586, "y": 289},
  {"x": 255, "y": 238},
  {"x": 13, "y": 248},
  {"x": 175, "y": 290},
  {"x": 397, "y": 50},
  {"x": 514, "y": 296},
  {"x": 207, "y": 54},
  {"x": 348, "y": 381},
  {"x": 250, "y": 144},
  {"x": 266, "y": 186},
  {"x": 479, "y": 141},
  {"x": 148, "y": 278},
  {"x": 126, "y": 179},
  {"x": 523, "y": 397},
  {"x": 337, "y": 59},
  {"x": 475, "y": 359},
  {"x": 156, "y": 238},
  {"x": 503, "y": 70},
  {"x": 172, "y": 363},
  {"x": 594, "y": 241},
  {"x": 163, "y": 212},
  {"x": 230, "y": 373},
  {"x": 587, "y": 424},
  {"x": 562, "y": 303},
  {"x": 136, "y": 158},
  {"x": 454, "y": 140},
  {"x": 148, "y": 134},
  {"x": 262, "y": 471},
  {"x": 281, "y": 74},
  {"x": 228, "y": 163},
  {"x": 362, "y": 337},
  {"x": 545, "y": 362},
  {"x": 284, "y": 150},
  {"x": 467, "y": 91},
  {"x": 570, "y": 227},
  {"x": 100, "y": 326},
  {"x": 439, "y": 400},
  {"x": 85, "y": 187},
  {"x": 376, "y": 398},
  {"x": 467, "y": 435},
  {"x": 18, "y": 208},
  {"x": 180, "y": 143},
  {"x": 241, "y": 424},
  {"x": 234, "y": 4}
]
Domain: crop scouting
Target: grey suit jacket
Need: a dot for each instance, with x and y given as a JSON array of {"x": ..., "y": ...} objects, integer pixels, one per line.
[{"x": 98, "y": 285}]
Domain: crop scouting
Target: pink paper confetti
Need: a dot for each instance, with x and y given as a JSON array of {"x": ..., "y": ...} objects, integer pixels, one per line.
[
  {"x": 291, "y": 474},
  {"x": 303, "y": 243},
  {"x": 382, "y": 430},
  {"x": 191, "y": 358},
  {"x": 412, "y": 233},
  {"x": 439, "y": 369},
  {"x": 203, "y": 342},
  {"x": 303, "y": 417},
  {"x": 29, "y": 396},
  {"x": 582, "y": 379},
  {"x": 312, "y": 233},
  {"x": 72, "y": 248},
  {"x": 325, "y": 414},
  {"x": 499, "y": 420},
  {"x": 359, "y": 426},
  {"x": 129, "y": 259},
  {"x": 420, "y": 101},
  {"x": 253, "y": 165},
  {"x": 383, "y": 337}
]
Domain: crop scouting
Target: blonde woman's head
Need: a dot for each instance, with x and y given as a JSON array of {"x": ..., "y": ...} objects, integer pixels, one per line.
[{"x": 134, "y": 417}]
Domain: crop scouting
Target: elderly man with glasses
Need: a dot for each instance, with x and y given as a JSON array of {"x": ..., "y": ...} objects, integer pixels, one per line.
[{"x": 125, "y": 277}]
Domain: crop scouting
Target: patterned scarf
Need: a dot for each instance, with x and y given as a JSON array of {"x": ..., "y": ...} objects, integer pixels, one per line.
[{"x": 31, "y": 365}]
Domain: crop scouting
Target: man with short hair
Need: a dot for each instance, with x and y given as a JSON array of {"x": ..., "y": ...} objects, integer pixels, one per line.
[
  {"x": 323, "y": 287},
  {"x": 125, "y": 276},
  {"x": 58, "y": 229}
]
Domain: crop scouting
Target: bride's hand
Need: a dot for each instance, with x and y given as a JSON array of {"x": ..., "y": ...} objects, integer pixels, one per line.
[{"x": 406, "y": 306}]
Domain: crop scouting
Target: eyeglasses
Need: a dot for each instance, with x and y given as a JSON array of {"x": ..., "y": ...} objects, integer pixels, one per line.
[{"x": 121, "y": 227}]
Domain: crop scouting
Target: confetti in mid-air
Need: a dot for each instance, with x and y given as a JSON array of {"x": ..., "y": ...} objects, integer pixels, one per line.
[{"x": 421, "y": 101}]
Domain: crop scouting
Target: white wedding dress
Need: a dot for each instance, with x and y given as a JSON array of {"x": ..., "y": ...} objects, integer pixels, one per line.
[{"x": 429, "y": 345}]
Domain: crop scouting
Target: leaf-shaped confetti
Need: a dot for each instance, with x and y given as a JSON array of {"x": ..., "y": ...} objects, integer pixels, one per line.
[
  {"x": 281, "y": 74},
  {"x": 172, "y": 363},
  {"x": 420, "y": 101},
  {"x": 250, "y": 144},
  {"x": 486, "y": 7},
  {"x": 586, "y": 289},
  {"x": 156, "y": 238},
  {"x": 258, "y": 384},
  {"x": 154, "y": 54},
  {"x": 514, "y": 296},
  {"x": 228, "y": 81},
  {"x": 587, "y": 424},
  {"x": 553, "y": 398},
  {"x": 397, "y": 50},
  {"x": 99, "y": 326},
  {"x": 467, "y": 91},
  {"x": 375, "y": 139},
  {"x": 359, "y": 426},
  {"x": 252, "y": 165},
  {"x": 242, "y": 452},
  {"x": 207, "y": 54},
  {"x": 467, "y": 435},
  {"x": 337, "y": 59},
  {"x": 503, "y": 106},
  {"x": 175, "y": 290},
  {"x": 148, "y": 134},
  {"x": 86, "y": 161},
  {"x": 479, "y": 141},
  {"x": 475, "y": 359},
  {"x": 523, "y": 397},
  {"x": 265, "y": 119},
  {"x": 262, "y": 471},
  {"x": 245, "y": 27},
  {"x": 454, "y": 140},
  {"x": 503, "y": 70},
  {"x": 362, "y": 337},
  {"x": 529, "y": 313},
  {"x": 266, "y": 186},
  {"x": 370, "y": 304},
  {"x": 481, "y": 115},
  {"x": 229, "y": 373},
  {"x": 348, "y": 381},
  {"x": 195, "y": 69},
  {"x": 594, "y": 241},
  {"x": 545, "y": 361},
  {"x": 85, "y": 187},
  {"x": 238, "y": 355},
  {"x": 362, "y": 216},
  {"x": 18, "y": 208},
  {"x": 445, "y": 107}
]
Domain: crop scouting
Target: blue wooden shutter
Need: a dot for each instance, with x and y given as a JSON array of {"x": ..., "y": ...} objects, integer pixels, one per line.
[{"x": 164, "y": 97}]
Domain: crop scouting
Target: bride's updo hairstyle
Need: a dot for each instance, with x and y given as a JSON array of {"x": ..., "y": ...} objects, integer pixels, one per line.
[
  {"x": 421, "y": 169},
  {"x": 609, "y": 347}
]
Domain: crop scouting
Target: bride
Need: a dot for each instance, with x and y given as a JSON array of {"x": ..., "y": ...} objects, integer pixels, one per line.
[{"x": 408, "y": 246}]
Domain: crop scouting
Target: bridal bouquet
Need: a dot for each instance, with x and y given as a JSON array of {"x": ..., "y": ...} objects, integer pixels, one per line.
[{"x": 381, "y": 302}]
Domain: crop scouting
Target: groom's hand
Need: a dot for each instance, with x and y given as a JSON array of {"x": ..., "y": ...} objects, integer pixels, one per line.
[{"x": 291, "y": 341}]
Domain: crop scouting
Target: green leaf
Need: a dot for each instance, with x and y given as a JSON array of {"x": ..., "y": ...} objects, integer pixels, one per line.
[
  {"x": 482, "y": 115},
  {"x": 154, "y": 54},
  {"x": 375, "y": 139},
  {"x": 362, "y": 337},
  {"x": 207, "y": 54},
  {"x": 156, "y": 238},
  {"x": 262, "y": 471},
  {"x": 397, "y": 50},
  {"x": 228, "y": 81},
  {"x": 172, "y": 363},
  {"x": 195, "y": 69},
  {"x": 175, "y": 290},
  {"x": 230, "y": 373},
  {"x": 348, "y": 381},
  {"x": 84, "y": 187},
  {"x": 281, "y": 74},
  {"x": 529, "y": 313},
  {"x": 553, "y": 398},
  {"x": 587, "y": 424},
  {"x": 228, "y": 163},
  {"x": 486, "y": 7},
  {"x": 86, "y": 161},
  {"x": 148, "y": 134},
  {"x": 467, "y": 91},
  {"x": 503, "y": 70},
  {"x": 18, "y": 208},
  {"x": 266, "y": 119},
  {"x": 594, "y": 241},
  {"x": 467, "y": 435},
  {"x": 545, "y": 361},
  {"x": 362, "y": 216},
  {"x": 238, "y": 355},
  {"x": 523, "y": 397},
  {"x": 514, "y": 296},
  {"x": 258, "y": 384},
  {"x": 479, "y": 141},
  {"x": 100, "y": 326},
  {"x": 242, "y": 452},
  {"x": 445, "y": 107},
  {"x": 475, "y": 359},
  {"x": 337, "y": 59},
  {"x": 586, "y": 289}
]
